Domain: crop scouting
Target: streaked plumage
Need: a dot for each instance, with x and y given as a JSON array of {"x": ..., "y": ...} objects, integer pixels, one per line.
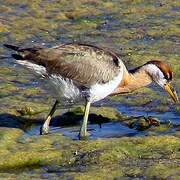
[
  {"x": 73, "y": 61},
  {"x": 86, "y": 73}
]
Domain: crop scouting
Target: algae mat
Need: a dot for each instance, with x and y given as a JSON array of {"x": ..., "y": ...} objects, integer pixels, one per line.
[{"x": 54, "y": 156}]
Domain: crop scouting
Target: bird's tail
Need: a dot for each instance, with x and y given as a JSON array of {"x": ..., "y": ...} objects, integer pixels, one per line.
[
  {"x": 17, "y": 55},
  {"x": 23, "y": 53},
  {"x": 15, "y": 48},
  {"x": 28, "y": 57}
]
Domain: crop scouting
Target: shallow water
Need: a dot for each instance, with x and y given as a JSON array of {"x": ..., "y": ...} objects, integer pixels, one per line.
[
  {"x": 111, "y": 129},
  {"x": 163, "y": 116},
  {"x": 107, "y": 130}
]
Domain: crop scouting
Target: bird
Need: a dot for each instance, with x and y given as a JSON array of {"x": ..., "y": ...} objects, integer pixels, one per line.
[{"x": 78, "y": 73}]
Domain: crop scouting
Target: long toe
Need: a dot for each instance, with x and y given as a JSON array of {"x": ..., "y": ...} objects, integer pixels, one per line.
[
  {"x": 84, "y": 136},
  {"x": 43, "y": 130}
]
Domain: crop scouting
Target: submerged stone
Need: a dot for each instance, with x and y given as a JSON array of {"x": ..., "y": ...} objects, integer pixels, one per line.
[{"x": 143, "y": 123}]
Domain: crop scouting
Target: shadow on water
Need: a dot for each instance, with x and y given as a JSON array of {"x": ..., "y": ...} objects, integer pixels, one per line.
[
  {"x": 69, "y": 124},
  {"x": 13, "y": 121}
]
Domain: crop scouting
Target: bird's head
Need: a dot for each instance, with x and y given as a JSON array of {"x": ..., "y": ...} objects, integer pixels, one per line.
[{"x": 161, "y": 73}]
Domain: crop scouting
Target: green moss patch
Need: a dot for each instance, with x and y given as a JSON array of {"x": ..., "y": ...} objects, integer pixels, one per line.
[{"x": 115, "y": 157}]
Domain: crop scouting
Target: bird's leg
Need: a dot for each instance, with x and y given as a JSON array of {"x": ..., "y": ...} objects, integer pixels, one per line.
[
  {"x": 45, "y": 127},
  {"x": 83, "y": 130}
]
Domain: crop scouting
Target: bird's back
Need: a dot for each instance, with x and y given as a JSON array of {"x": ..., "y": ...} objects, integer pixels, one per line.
[{"x": 84, "y": 64}]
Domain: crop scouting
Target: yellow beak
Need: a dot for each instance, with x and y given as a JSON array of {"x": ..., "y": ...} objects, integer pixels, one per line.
[{"x": 170, "y": 90}]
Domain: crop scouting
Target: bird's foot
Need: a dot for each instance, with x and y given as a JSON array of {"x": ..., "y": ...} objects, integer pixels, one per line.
[
  {"x": 44, "y": 130},
  {"x": 84, "y": 135}
]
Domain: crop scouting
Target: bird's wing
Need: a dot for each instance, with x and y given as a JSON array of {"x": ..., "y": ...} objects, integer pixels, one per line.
[{"x": 83, "y": 64}]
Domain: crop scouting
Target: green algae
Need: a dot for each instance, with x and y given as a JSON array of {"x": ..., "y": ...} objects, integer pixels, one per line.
[
  {"x": 3, "y": 28},
  {"x": 161, "y": 171},
  {"x": 100, "y": 158},
  {"x": 24, "y": 111},
  {"x": 178, "y": 109},
  {"x": 15, "y": 155},
  {"x": 106, "y": 112},
  {"x": 98, "y": 115}
]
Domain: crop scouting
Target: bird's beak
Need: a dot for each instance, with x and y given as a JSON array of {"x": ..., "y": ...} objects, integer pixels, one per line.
[{"x": 170, "y": 90}]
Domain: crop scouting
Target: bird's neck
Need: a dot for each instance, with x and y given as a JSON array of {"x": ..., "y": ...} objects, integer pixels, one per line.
[{"x": 133, "y": 79}]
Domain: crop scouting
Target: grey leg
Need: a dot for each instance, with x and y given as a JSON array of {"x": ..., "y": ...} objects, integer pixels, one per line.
[
  {"x": 83, "y": 131},
  {"x": 45, "y": 127}
]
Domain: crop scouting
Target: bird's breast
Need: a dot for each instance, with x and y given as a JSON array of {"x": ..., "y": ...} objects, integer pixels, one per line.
[{"x": 100, "y": 91}]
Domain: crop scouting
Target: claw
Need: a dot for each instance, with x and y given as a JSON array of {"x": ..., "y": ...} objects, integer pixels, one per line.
[
  {"x": 84, "y": 137},
  {"x": 44, "y": 130}
]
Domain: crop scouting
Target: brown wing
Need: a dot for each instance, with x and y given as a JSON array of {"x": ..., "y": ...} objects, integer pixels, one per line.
[{"x": 84, "y": 64}]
